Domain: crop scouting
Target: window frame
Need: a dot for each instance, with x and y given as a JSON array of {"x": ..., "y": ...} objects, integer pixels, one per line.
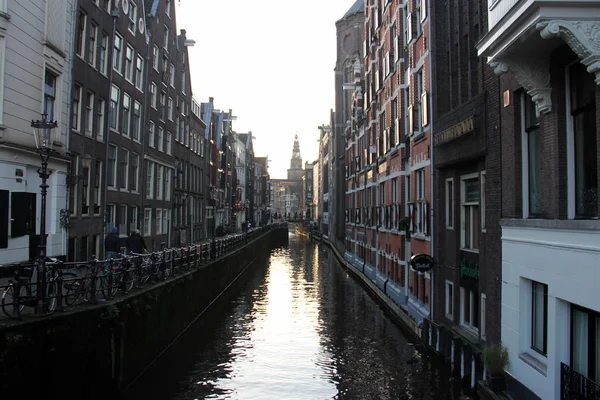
[
  {"x": 469, "y": 205},
  {"x": 101, "y": 123},
  {"x": 533, "y": 345},
  {"x": 117, "y": 56},
  {"x": 127, "y": 113},
  {"x": 89, "y": 113},
  {"x": 81, "y": 39},
  {"x": 129, "y": 63},
  {"x": 148, "y": 218},
  {"x": 526, "y": 130},
  {"x": 449, "y": 300},
  {"x": 151, "y": 133},
  {"x": 449, "y": 203},
  {"x": 76, "y": 108},
  {"x": 93, "y": 44}
]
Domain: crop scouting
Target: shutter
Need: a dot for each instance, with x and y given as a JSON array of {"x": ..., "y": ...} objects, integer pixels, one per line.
[
  {"x": 4, "y": 219},
  {"x": 23, "y": 213}
]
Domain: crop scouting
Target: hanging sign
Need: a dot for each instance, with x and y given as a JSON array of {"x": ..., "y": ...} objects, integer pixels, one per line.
[{"x": 422, "y": 262}]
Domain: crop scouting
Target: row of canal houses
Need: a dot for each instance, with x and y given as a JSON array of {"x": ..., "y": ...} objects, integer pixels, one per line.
[
  {"x": 467, "y": 131},
  {"x": 133, "y": 149}
]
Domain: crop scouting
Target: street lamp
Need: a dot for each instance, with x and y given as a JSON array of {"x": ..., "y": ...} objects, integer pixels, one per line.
[{"x": 42, "y": 134}]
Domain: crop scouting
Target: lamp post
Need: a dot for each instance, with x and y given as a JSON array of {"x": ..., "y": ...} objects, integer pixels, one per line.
[{"x": 42, "y": 134}]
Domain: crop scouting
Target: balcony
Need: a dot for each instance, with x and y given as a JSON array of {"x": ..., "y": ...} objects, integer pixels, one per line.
[
  {"x": 523, "y": 33},
  {"x": 573, "y": 385}
]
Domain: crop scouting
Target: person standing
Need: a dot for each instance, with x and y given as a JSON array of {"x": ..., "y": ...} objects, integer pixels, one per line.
[
  {"x": 111, "y": 244},
  {"x": 136, "y": 243}
]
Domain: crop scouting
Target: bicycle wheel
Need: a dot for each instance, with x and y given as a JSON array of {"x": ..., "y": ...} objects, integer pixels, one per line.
[
  {"x": 71, "y": 288},
  {"x": 129, "y": 278},
  {"x": 8, "y": 297}
]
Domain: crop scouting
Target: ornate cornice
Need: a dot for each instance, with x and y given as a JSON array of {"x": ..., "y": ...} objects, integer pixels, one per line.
[
  {"x": 531, "y": 73},
  {"x": 583, "y": 37}
]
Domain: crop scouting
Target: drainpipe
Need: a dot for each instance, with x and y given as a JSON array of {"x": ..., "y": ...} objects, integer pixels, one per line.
[
  {"x": 432, "y": 173},
  {"x": 115, "y": 15},
  {"x": 70, "y": 59},
  {"x": 144, "y": 123}
]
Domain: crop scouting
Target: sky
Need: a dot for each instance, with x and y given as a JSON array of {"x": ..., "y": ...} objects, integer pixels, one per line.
[{"x": 272, "y": 63}]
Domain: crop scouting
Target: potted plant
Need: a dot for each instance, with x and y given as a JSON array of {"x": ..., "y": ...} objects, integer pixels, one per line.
[{"x": 495, "y": 360}]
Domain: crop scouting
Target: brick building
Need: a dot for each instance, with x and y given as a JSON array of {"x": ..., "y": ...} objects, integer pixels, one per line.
[
  {"x": 547, "y": 55},
  {"x": 467, "y": 157}
]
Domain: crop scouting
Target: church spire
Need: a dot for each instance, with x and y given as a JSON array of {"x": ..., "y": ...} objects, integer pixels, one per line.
[
  {"x": 296, "y": 151},
  {"x": 295, "y": 172}
]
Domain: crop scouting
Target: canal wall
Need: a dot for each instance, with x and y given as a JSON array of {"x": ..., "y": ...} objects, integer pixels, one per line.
[
  {"x": 95, "y": 352},
  {"x": 397, "y": 312}
]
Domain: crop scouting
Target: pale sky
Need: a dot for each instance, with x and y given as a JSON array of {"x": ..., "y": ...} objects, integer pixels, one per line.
[{"x": 272, "y": 62}]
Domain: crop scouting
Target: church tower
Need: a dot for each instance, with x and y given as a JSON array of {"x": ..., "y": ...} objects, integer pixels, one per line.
[{"x": 295, "y": 172}]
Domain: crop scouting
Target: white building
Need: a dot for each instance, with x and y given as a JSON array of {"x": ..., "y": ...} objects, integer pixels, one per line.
[
  {"x": 241, "y": 168},
  {"x": 35, "y": 43},
  {"x": 551, "y": 242}
]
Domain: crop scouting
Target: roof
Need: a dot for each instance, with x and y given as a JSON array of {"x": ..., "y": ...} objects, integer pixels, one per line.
[{"x": 358, "y": 7}]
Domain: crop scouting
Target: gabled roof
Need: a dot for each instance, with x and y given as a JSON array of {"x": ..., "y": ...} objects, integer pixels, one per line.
[{"x": 358, "y": 7}]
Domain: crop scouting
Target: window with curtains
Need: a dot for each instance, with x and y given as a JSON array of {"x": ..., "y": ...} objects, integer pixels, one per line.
[
  {"x": 539, "y": 317},
  {"x": 532, "y": 151},
  {"x": 585, "y": 342}
]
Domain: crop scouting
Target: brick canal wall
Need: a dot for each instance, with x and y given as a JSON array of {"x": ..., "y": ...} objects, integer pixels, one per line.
[{"x": 95, "y": 351}]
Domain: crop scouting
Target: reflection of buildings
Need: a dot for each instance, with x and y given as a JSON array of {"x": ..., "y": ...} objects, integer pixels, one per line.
[
  {"x": 288, "y": 192},
  {"x": 307, "y": 189}
]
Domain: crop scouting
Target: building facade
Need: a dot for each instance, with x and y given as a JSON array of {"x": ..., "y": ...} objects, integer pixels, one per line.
[
  {"x": 307, "y": 189},
  {"x": 547, "y": 55},
  {"x": 467, "y": 158},
  {"x": 325, "y": 154},
  {"x": 36, "y": 51}
]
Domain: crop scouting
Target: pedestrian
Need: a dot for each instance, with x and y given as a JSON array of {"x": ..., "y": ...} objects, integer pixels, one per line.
[
  {"x": 111, "y": 244},
  {"x": 135, "y": 242}
]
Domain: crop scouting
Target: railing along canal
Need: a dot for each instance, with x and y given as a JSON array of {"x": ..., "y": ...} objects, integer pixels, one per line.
[
  {"x": 94, "y": 281},
  {"x": 573, "y": 385}
]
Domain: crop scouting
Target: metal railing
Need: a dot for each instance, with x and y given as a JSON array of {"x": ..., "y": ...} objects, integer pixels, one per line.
[
  {"x": 75, "y": 283},
  {"x": 574, "y": 386}
]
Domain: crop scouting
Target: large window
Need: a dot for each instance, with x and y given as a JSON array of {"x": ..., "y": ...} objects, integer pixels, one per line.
[
  {"x": 85, "y": 189},
  {"x": 103, "y": 54},
  {"x": 93, "y": 44},
  {"x": 469, "y": 308},
  {"x": 167, "y": 184},
  {"x": 539, "y": 317},
  {"x": 147, "y": 219},
  {"x": 449, "y": 300},
  {"x": 117, "y": 53},
  {"x": 89, "y": 113},
  {"x": 49, "y": 94},
  {"x": 585, "y": 342},
  {"x": 136, "y": 123},
  {"x": 160, "y": 139},
  {"x": 101, "y": 111},
  {"x": 81, "y": 39},
  {"x": 97, "y": 186},
  {"x": 150, "y": 179},
  {"x": 114, "y": 107},
  {"x": 470, "y": 198},
  {"x": 449, "y": 203},
  {"x": 169, "y": 140},
  {"x": 126, "y": 114},
  {"x": 124, "y": 170},
  {"x": 135, "y": 166},
  {"x": 76, "y": 109},
  {"x": 112, "y": 165},
  {"x": 532, "y": 159},
  {"x": 155, "y": 57},
  {"x": 153, "y": 95},
  {"x": 583, "y": 127},
  {"x": 139, "y": 67},
  {"x": 151, "y": 133},
  {"x": 132, "y": 17},
  {"x": 422, "y": 211},
  {"x": 129, "y": 63},
  {"x": 160, "y": 189}
]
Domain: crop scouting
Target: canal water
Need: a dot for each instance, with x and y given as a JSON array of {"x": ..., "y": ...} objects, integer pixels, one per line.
[{"x": 297, "y": 326}]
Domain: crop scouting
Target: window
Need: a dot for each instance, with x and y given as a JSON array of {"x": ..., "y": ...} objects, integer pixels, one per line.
[
  {"x": 123, "y": 219},
  {"x": 147, "y": 219},
  {"x": 139, "y": 77},
  {"x": 135, "y": 166},
  {"x": 469, "y": 308},
  {"x": 97, "y": 186},
  {"x": 114, "y": 107},
  {"x": 532, "y": 159},
  {"x": 103, "y": 53},
  {"x": 85, "y": 190},
  {"x": 482, "y": 319},
  {"x": 169, "y": 143},
  {"x": 470, "y": 197},
  {"x": 112, "y": 166},
  {"x": 167, "y": 184},
  {"x": 153, "y": 95},
  {"x": 166, "y": 220},
  {"x": 124, "y": 171},
  {"x": 151, "y": 132},
  {"x": 160, "y": 189},
  {"x": 155, "y": 57},
  {"x": 160, "y": 139},
  {"x": 150, "y": 180},
  {"x": 132, "y": 17},
  {"x": 117, "y": 56},
  {"x": 134, "y": 217},
  {"x": 111, "y": 211},
  {"x": 81, "y": 39},
  {"x": 49, "y": 94},
  {"x": 583, "y": 161},
  {"x": 450, "y": 203},
  {"x": 422, "y": 211},
  {"x": 163, "y": 101},
  {"x": 101, "y": 111},
  {"x": 135, "y": 129},
  {"x": 168, "y": 8},
  {"x": 449, "y": 300},
  {"x": 166, "y": 39},
  {"x": 159, "y": 221},
  {"x": 76, "y": 109},
  {"x": 482, "y": 201},
  {"x": 126, "y": 114},
  {"x": 172, "y": 75},
  {"x": 93, "y": 44},
  {"x": 585, "y": 340},
  {"x": 170, "y": 109},
  {"x": 183, "y": 82},
  {"x": 539, "y": 317},
  {"x": 89, "y": 113},
  {"x": 106, "y": 5},
  {"x": 129, "y": 63}
]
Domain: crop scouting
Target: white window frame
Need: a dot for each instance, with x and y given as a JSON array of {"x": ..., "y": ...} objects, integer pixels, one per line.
[
  {"x": 123, "y": 211},
  {"x": 114, "y": 113},
  {"x": 103, "y": 66},
  {"x": 169, "y": 144},
  {"x": 139, "y": 73},
  {"x": 468, "y": 325},
  {"x": 2, "y": 69},
  {"x": 134, "y": 217},
  {"x": 127, "y": 112},
  {"x": 160, "y": 138},
  {"x": 168, "y": 180},
  {"x": 421, "y": 201},
  {"x": 98, "y": 189},
  {"x": 136, "y": 176},
  {"x": 153, "y": 95},
  {"x": 170, "y": 108},
  {"x": 116, "y": 166},
  {"x": 132, "y": 25},
  {"x": 93, "y": 45},
  {"x": 76, "y": 107},
  {"x": 150, "y": 180},
  {"x": 81, "y": 52},
  {"x": 136, "y": 121},
  {"x": 463, "y": 206},
  {"x": 449, "y": 300},
  {"x": 151, "y": 133},
  {"x": 159, "y": 221},
  {"x": 160, "y": 187},
  {"x": 147, "y": 221},
  {"x": 89, "y": 113},
  {"x": 172, "y": 75},
  {"x": 166, "y": 220},
  {"x": 155, "y": 57},
  {"x": 112, "y": 216},
  {"x": 482, "y": 201},
  {"x": 117, "y": 55},
  {"x": 168, "y": 8},
  {"x": 482, "y": 312},
  {"x": 166, "y": 38},
  {"x": 125, "y": 166},
  {"x": 129, "y": 60},
  {"x": 101, "y": 116},
  {"x": 449, "y": 200}
]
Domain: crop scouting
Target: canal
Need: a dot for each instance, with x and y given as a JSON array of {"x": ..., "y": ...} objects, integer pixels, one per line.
[{"x": 296, "y": 326}]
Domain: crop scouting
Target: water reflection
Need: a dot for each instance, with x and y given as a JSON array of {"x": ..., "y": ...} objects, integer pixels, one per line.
[{"x": 298, "y": 327}]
